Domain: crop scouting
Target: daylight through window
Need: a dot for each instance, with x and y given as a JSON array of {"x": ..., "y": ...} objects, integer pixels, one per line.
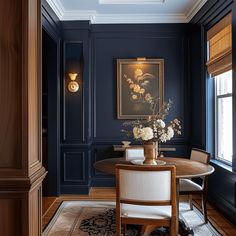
[{"x": 223, "y": 117}]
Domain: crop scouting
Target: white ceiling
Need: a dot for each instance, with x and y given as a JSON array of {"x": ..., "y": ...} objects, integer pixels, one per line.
[{"x": 127, "y": 11}]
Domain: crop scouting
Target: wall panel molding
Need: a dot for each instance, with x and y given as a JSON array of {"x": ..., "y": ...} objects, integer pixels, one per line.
[
  {"x": 75, "y": 170},
  {"x": 73, "y": 118},
  {"x": 74, "y": 159}
]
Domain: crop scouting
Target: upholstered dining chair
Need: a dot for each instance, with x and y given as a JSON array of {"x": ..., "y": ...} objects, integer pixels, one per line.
[
  {"x": 146, "y": 195},
  {"x": 189, "y": 187},
  {"x": 134, "y": 153}
]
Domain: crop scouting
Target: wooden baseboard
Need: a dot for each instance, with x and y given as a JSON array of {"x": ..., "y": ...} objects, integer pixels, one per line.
[
  {"x": 95, "y": 193},
  {"x": 47, "y": 204}
]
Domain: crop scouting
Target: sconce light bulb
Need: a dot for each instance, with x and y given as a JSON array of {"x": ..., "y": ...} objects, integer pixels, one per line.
[{"x": 73, "y": 76}]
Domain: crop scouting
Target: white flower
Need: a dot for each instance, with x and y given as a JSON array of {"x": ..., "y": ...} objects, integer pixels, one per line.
[
  {"x": 163, "y": 138},
  {"x": 170, "y": 132},
  {"x": 137, "y": 132},
  {"x": 161, "y": 123},
  {"x": 166, "y": 135},
  {"x": 147, "y": 133}
]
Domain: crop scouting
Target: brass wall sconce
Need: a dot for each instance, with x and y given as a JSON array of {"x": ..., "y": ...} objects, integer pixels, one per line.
[{"x": 73, "y": 86}]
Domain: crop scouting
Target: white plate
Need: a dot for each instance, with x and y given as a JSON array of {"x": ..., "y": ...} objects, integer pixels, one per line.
[{"x": 140, "y": 162}]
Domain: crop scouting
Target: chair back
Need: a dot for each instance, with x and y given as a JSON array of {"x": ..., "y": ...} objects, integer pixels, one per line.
[
  {"x": 134, "y": 153},
  {"x": 146, "y": 185},
  {"x": 200, "y": 156}
]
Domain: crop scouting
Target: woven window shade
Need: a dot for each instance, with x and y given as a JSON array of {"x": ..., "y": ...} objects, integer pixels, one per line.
[{"x": 220, "y": 46}]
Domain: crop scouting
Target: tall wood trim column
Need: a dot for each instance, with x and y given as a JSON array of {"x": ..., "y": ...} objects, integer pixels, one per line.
[{"x": 21, "y": 170}]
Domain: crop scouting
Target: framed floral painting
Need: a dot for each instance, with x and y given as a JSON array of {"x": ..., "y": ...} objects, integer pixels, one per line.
[{"x": 140, "y": 85}]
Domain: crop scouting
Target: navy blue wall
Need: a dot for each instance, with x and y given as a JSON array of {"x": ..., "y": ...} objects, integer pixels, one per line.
[{"x": 89, "y": 123}]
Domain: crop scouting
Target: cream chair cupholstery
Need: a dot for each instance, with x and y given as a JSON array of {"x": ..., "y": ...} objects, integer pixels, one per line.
[
  {"x": 146, "y": 195},
  {"x": 134, "y": 153}
]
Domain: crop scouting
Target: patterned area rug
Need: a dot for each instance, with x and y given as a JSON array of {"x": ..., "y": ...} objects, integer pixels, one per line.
[{"x": 90, "y": 218}]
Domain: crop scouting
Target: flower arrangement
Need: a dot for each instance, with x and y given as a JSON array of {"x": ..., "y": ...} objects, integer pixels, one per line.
[{"x": 154, "y": 128}]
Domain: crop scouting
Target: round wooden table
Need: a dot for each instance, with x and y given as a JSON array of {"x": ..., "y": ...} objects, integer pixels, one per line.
[{"x": 185, "y": 168}]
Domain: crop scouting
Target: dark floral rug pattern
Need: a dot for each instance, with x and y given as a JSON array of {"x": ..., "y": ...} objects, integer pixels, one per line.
[
  {"x": 97, "y": 218},
  {"x": 102, "y": 224},
  {"x": 105, "y": 225}
]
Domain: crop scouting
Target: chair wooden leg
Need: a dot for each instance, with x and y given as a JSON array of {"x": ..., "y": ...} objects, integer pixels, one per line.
[
  {"x": 118, "y": 229},
  {"x": 190, "y": 199},
  {"x": 173, "y": 227},
  {"x": 118, "y": 224},
  {"x": 204, "y": 207}
]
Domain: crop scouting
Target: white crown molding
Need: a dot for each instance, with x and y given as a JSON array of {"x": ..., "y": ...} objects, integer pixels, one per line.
[
  {"x": 57, "y": 7},
  {"x": 131, "y": 2},
  {"x": 196, "y": 7},
  {"x": 79, "y": 15},
  {"x": 96, "y": 18},
  {"x": 123, "y": 18},
  {"x": 138, "y": 18}
]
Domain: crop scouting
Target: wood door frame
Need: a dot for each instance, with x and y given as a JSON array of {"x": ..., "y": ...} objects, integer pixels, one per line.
[{"x": 21, "y": 170}]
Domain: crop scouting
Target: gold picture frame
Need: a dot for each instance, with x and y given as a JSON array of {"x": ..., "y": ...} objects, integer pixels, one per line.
[{"x": 139, "y": 81}]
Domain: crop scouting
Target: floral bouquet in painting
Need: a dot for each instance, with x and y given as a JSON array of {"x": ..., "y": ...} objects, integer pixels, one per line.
[{"x": 140, "y": 86}]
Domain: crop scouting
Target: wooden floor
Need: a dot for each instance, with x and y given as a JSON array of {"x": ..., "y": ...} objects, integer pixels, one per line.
[{"x": 50, "y": 205}]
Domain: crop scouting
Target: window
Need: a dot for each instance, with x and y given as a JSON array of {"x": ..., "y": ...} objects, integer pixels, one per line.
[
  {"x": 219, "y": 66},
  {"x": 223, "y": 117}
]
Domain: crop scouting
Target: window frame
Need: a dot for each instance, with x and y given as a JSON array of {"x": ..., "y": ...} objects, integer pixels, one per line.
[{"x": 216, "y": 99}]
